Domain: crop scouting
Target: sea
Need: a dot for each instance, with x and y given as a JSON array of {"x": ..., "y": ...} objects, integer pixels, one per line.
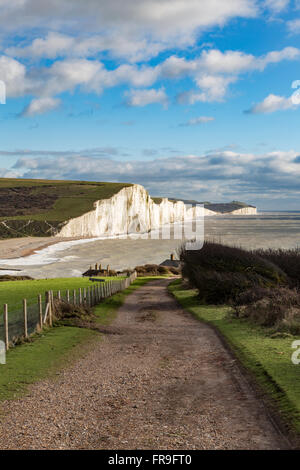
[{"x": 67, "y": 259}]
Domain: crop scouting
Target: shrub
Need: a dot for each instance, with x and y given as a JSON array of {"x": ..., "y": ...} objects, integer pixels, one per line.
[
  {"x": 152, "y": 270},
  {"x": 7, "y": 277},
  {"x": 287, "y": 260},
  {"x": 278, "y": 308},
  {"x": 221, "y": 273}
]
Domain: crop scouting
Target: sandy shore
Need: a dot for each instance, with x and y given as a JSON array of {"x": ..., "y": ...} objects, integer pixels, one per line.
[
  {"x": 67, "y": 257},
  {"x": 19, "y": 247}
]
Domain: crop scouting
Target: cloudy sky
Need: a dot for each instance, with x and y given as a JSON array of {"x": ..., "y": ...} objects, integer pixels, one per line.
[{"x": 191, "y": 98}]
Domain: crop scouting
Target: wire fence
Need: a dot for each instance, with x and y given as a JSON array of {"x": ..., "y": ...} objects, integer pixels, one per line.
[{"x": 21, "y": 319}]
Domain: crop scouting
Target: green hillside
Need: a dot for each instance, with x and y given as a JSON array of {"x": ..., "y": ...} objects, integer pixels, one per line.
[{"x": 40, "y": 207}]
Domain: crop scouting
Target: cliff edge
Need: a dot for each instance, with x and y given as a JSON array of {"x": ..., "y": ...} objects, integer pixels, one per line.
[{"x": 132, "y": 210}]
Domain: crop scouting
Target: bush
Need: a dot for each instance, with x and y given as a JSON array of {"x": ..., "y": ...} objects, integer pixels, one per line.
[
  {"x": 7, "y": 277},
  {"x": 152, "y": 270},
  {"x": 221, "y": 273},
  {"x": 278, "y": 308},
  {"x": 287, "y": 260}
]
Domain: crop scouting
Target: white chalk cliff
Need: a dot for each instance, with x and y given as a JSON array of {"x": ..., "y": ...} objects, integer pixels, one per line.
[
  {"x": 131, "y": 210},
  {"x": 244, "y": 211}
]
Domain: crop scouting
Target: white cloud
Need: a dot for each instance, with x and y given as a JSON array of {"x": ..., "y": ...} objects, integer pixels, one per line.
[
  {"x": 159, "y": 21},
  {"x": 145, "y": 97},
  {"x": 13, "y": 73},
  {"x": 277, "y": 5},
  {"x": 211, "y": 175},
  {"x": 215, "y": 61},
  {"x": 56, "y": 45},
  {"x": 294, "y": 26},
  {"x": 273, "y": 103},
  {"x": 212, "y": 88},
  {"x": 212, "y": 72},
  {"x": 273, "y": 57},
  {"x": 200, "y": 120},
  {"x": 41, "y": 106}
]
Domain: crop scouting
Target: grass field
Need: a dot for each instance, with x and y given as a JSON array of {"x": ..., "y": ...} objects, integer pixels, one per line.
[
  {"x": 72, "y": 198},
  {"x": 55, "y": 348},
  {"x": 13, "y": 292},
  {"x": 268, "y": 359}
]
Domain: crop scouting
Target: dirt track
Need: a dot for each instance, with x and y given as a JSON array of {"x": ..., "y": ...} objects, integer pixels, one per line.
[{"x": 163, "y": 381}]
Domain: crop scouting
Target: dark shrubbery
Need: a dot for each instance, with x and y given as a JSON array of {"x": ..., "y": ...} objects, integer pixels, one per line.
[
  {"x": 155, "y": 270},
  {"x": 287, "y": 260},
  {"x": 262, "y": 285},
  {"x": 220, "y": 273},
  {"x": 278, "y": 308},
  {"x": 7, "y": 277},
  {"x": 69, "y": 314}
]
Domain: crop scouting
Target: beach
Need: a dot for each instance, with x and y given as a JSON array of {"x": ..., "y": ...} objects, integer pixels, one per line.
[
  {"x": 19, "y": 247},
  {"x": 46, "y": 257}
]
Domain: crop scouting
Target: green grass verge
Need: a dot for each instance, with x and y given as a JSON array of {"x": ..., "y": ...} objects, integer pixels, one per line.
[
  {"x": 49, "y": 351},
  {"x": 13, "y": 292},
  {"x": 268, "y": 359},
  {"x": 55, "y": 348}
]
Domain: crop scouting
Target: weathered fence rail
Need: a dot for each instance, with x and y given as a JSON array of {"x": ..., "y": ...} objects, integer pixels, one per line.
[{"x": 35, "y": 314}]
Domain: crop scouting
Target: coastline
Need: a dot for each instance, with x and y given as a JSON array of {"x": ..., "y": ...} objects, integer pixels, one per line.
[{"x": 22, "y": 247}]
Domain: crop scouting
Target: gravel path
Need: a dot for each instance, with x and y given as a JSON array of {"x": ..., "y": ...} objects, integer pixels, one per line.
[{"x": 162, "y": 381}]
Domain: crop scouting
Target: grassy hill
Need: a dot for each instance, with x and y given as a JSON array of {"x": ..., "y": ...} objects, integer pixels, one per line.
[{"x": 40, "y": 207}]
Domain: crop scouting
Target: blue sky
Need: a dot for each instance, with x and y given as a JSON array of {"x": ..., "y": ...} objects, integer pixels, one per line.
[{"x": 191, "y": 98}]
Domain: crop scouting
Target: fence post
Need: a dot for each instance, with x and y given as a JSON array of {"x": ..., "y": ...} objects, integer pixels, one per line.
[
  {"x": 40, "y": 311},
  {"x": 89, "y": 296},
  {"x": 48, "y": 312},
  {"x": 74, "y": 297},
  {"x": 5, "y": 321},
  {"x": 68, "y": 296},
  {"x": 58, "y": 295},
  {"x": 25, "y": 318},
  {"x": 51, "y": 307},
  {"x": 80, "y": 296}
]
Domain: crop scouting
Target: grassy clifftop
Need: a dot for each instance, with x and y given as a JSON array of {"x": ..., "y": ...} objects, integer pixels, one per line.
[{"x": 40, "y": 207}]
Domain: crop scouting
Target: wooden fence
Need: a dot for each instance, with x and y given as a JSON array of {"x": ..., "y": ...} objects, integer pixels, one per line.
[{"x": 45, "y": 311}]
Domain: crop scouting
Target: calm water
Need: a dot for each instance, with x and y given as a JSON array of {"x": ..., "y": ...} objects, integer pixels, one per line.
[{"x": 268, "y": 229}]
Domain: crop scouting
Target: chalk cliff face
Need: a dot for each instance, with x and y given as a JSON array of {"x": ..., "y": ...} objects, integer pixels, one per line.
[
  {"x": 131, "y": 210},
  {"x": 245, "y": 211}
]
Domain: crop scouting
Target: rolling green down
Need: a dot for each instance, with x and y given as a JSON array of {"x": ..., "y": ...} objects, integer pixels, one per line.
[
  {"x": 268, "y": 359},
  {"x": 40, "y": 207},
  {"x": 55, "y": 348}
]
